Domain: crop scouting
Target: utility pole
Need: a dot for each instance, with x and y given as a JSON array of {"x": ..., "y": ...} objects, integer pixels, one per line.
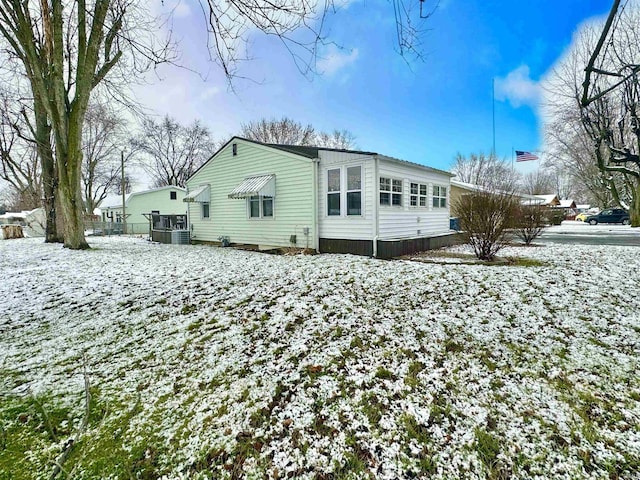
[{"x": 122, "y": 188}]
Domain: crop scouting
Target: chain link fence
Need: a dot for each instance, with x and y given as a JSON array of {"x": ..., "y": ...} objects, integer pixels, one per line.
[{"x": 116, "y": 228}]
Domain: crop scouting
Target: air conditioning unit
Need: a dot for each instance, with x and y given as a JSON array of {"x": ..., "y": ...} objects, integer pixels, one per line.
[{"x": 180, "y": 237}]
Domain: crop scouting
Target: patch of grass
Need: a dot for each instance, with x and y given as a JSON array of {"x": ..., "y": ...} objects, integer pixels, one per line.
[
  {"x": 488, "y": 448},
  {"x": 33, "y": 424},
  {"x": 411, "y": 378},
  {"x": 372, "y": 408},
  {"x": 451, "y": 346},
  {"x": 384, "y": 374},
  {"x": 414, "y": 430},
  {"x": 195, "y": 325},
  {"x": 356, "y": 342},
  {"x": 188, "y": 308}
]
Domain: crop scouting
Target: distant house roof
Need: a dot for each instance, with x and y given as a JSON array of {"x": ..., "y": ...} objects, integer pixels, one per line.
[
  {"x": 525, "y": 197},
  {"x": 115, "y": 201},
  {"x": 550, "y": 199},
  {"x": 567, "y": 203}
]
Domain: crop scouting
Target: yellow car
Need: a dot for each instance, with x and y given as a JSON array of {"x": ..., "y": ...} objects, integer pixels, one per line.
[{"x": 581, "y": 217}]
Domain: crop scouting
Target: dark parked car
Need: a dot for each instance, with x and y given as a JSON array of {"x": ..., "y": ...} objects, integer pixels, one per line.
[{"x": 610, "y": 215}]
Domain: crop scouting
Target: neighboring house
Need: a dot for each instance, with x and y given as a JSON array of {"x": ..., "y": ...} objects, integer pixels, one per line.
[
  {"x": 550, "y": 200},
  {"x": 329, "y": 200},
  {"x": 458, "y": 189},
  {"x": 159, "y": 201},
  {"x": 33, "y": 221}
]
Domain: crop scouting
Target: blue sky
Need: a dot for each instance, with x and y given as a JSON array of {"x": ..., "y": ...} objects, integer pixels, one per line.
[{"x": 425, "y": 112}]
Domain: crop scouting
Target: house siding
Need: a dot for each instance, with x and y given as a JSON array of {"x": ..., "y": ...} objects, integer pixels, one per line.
[
  {"x": 144, "y": 202},
  {"x": 293, "y": 203},
  {"x": 360, "y": 227},
  {"x": 405, "y": 221}
]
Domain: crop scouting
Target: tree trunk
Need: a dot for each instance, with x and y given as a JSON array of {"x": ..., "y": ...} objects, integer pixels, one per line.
[
  {"x": 71, "y": 199},
  {"x": 634, "y": 208}
]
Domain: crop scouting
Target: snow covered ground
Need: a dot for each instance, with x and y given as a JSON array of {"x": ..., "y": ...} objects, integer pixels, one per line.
[{"x": 220, "y": 363}]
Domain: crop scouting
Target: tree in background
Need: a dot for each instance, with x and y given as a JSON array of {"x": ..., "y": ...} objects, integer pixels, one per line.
[
  {"x": 537, "y": 182},
  {"x": 340, "y": 139},
  {"x": 284, "y": 131},
  {"x": 103, "y": 140},
  {"x": 289, "y": 132},
  {"x": 486, "y": 218},
  {"x": 19, "y": 163},
  {"x": 486, "y": 171},
  {"x": 596, "y": 91},
  {"x": 171, "y": 152},
  {"x": 66, "y": 50}
]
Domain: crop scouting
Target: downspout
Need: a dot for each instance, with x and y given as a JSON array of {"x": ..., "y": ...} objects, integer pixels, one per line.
[
  {"x": 376, "y": 202},
  {"x": 316, "y": 233},
  {"x": 188, "y": 224}
]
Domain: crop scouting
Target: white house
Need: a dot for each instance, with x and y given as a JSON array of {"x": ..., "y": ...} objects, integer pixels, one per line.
[
  {"x": 33, "y": 221},
  {"x": 160, "y": 201},
  {"x": 325, "y": 199}
]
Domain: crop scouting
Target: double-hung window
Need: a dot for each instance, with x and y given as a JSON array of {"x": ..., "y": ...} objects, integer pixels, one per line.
[
  {"x": 333, "y": 192},
  {"x": 204, "y": 210},
  {"x": 354, "y": 190},
  {"x": 439, "y": 197},
  {"x": 344, "y": 191},
  {"x": 260, "y": 207},
  {"x": 418, "y": 196},
  {"x": 390, "y": 191}
]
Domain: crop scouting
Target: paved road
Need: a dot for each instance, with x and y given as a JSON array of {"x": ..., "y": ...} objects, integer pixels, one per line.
[{"x": 582, "y": 234}]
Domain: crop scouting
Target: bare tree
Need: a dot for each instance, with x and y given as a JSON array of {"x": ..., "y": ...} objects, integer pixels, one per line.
[
  {"x": 603, "y": 99},
  {"x": 284, "y": 131},
  {"x": 485, "y": 171},
  {"x": 289, "y": 132},
  {"x": 173, "y": 152},
  {"x": 299, "y": 26},
  {"x": 103, "y": 139},
  {"x": 67, "y": 49},
  {"x": 538, "y": 182},
  {"x": 19, "y": 164},
  {"x": 340, "y": 139}
]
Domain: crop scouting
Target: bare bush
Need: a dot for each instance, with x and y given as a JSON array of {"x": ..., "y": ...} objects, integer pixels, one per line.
[
  {"x": 531, "y": 222},
  {"x": 487, "y": 219}
]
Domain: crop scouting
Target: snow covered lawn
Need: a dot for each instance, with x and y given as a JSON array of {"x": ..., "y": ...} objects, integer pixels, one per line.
[{"x": 210, "y": 362}]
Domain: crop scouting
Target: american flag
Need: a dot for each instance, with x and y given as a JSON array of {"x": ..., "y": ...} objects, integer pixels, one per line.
[{"x": 525, "y": 156}]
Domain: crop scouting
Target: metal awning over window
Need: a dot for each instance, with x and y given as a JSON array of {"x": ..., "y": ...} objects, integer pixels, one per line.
[
  {"x": 201, "y": 195},
  {"x": 261, "y": 185}
]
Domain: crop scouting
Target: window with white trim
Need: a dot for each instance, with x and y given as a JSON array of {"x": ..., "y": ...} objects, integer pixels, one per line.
[
  {"x": 204, "y": 210},
  {"x": 390, "y": 192},
  {"x": 354, "y": 190},
  {"x": 333, "y": 192},
  {"x": 260, "y": 207},
  {"x": 439, "y": 196},
  {"x": 418, "y": 195}
]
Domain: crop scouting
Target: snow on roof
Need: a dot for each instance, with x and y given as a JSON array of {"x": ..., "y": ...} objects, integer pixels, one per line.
[
  {"x": 568, "y": 203},
  {"x": 550, "y": 199}
]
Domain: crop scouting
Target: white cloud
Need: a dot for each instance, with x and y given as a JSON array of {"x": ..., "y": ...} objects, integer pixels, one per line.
[
  {"x": 209, "y": 93},
  {"x": 518, "y": 88},
  {"x": 336, "y": 59}
]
